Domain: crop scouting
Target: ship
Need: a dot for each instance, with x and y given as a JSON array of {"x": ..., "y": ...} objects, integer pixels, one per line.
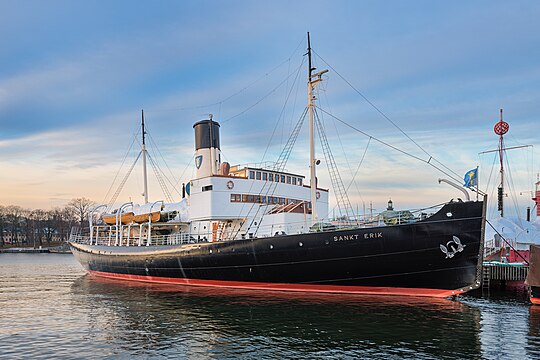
[
  {"x": 533, "y": 276},
  {"x": 265, "y": 228}
]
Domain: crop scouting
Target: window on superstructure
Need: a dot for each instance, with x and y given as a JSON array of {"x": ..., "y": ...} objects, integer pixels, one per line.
[
  {"x": 265, "y": 176},
  {"x": 258, "y": 175},
  {"x": 283, "y": 179},
  {"x": 252, "y": 174},
  {"x": 300, "y": 181},
  {"x": 207, "y": 188},
  {"x": 251, "y": 198},
  {"x": 264, "y": 199},
  {"x": 244, "y": 198},
  {"x": 288, "y": 179},
  {"x": 294, "y": 181},
  {"x": 270, "y": 177},
  {"x": 281, "y": 201}
]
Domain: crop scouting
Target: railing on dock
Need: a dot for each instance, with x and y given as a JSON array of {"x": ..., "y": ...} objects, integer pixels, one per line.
[{"x": 506, "y": 271}]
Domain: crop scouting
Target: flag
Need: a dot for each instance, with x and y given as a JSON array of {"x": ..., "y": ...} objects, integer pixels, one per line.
[{"x": 471, "y": 178}]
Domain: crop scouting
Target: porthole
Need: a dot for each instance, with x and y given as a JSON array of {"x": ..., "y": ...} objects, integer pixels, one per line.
[
  {"x": 271, "y": 247},
  {"x": 449, "y": 214},
  {"x": 300, "y": 244}
]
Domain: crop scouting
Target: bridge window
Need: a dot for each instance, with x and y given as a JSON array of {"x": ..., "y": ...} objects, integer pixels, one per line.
[
  {"x": 270, "y": 177},
  {"x": 252, "y": 174}
]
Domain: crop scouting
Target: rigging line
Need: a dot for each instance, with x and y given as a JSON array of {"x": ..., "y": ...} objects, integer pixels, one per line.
[
  {"x": 342, "y": 198},
  {"x": 220, "y": 102},
  {"x": 260, "y": 100},
  {"x": 265, "y": 75},
  {"x": 511, "y": 187},
  {"x": 162, "y": 158},
  {"x": 383, "y": 114},
  {"x": 495, "y": 160},
  {"x": 121, "y": 165},
  {"x": 359, "y": 165},
  {"x": 185, "y": 169},
  {"x": 121, "y": 185},
  {"x": 345, "y": 154},
  {"x": 393, "y": 147},
  {"x": 161, "y": 174},
  {"x": 278, "y": 167},
  {"x": 237, "y": 92},
  {"x": 507, "y": 242},
  {"x": 282, "y": 111}
]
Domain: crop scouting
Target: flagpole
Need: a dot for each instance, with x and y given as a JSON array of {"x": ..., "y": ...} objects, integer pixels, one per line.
[{"x": 477, "y": 182}]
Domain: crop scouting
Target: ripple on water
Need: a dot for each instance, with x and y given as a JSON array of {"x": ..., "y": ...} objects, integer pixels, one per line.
[{"x": 50, "y": 308}]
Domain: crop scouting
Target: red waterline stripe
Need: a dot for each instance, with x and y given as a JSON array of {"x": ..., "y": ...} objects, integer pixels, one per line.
[
  {"x": 361, "y": 290},
  {"x": 535, "y": 301}
]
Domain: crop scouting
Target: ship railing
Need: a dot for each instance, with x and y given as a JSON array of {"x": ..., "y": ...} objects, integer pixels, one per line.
[
  {"x": 178, "y": 238},
  {"x": 491, "y": 246}
]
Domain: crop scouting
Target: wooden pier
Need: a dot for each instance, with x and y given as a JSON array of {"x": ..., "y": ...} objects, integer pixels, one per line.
[{"x": 497, "y": 273}]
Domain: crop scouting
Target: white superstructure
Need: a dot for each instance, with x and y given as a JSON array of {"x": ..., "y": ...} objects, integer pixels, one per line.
[{"x": 244, "y": 201}]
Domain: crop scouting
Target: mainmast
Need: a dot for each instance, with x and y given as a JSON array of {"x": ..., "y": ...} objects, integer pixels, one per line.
[
  {"x": 143, "y": 150},
  {"x": 500, "y": 129},
  {"x": 313, "y": 79}
]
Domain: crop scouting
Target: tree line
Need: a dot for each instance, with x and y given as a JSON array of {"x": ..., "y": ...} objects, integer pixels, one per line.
[{"x": 26, "y": 227}]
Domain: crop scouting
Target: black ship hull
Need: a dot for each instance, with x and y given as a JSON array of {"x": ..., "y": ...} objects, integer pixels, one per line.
[{"x": 440, "y": 256}]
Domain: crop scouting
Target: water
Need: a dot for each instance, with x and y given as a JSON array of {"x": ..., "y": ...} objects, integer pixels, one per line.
[{"x": 49, "y": 308}]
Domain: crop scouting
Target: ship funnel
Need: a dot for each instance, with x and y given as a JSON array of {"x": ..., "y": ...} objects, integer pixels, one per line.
[{"x": 207, "y": 150}]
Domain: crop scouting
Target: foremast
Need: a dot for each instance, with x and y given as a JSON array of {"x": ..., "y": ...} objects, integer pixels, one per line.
[
  {"x": 143, "y": 151},
  {"x": 313, "y": 80}
]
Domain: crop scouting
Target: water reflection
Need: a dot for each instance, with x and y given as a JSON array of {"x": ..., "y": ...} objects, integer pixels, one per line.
[
  {"x": 49, "y": 309},
  {"x": 150, "y": 320},
  {"x": 533, "y": 336}
]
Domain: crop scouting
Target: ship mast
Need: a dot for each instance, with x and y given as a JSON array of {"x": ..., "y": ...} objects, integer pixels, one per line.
[
  {"x": 143, "y": 150},
  {"x": 313, "y": 79},
  {"x": 501, "y": 128}
]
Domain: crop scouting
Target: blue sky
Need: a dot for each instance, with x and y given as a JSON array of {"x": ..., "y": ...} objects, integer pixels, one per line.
[{"x": 74, "y": 76}]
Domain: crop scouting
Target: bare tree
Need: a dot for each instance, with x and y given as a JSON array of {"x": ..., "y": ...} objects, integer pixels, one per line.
[
  {"x": 64, "y": 219},
  {"x": 80, "y": 208},
  {"x": 14, "y": 222},
  {"x": 2, "y": 224}
]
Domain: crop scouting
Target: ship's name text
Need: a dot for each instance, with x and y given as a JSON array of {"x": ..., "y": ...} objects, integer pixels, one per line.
[{"x": 372, "y": 235}]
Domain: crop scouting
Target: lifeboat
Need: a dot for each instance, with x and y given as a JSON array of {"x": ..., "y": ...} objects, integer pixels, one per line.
[
  {"x": 152, "y": 217},
  {"x": 110, "y": 219}
]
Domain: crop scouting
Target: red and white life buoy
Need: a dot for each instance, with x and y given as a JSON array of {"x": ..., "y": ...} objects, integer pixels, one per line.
[{"x": 230, "y": 185}]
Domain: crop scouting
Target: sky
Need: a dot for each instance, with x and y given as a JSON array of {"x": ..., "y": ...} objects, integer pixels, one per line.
[{"x": 75, "y": 75}]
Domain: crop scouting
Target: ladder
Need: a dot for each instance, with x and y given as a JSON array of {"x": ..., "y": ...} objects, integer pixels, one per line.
[{"x": 486, "y": 279}]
